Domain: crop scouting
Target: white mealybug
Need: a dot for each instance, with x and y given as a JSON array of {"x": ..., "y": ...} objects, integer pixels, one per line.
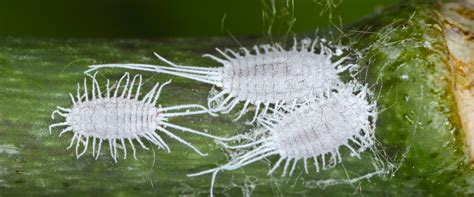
[
  {"x": 271, "y": 76},
  {"x": 313, "y": 130},
  {"x": 120, "y": 117}
]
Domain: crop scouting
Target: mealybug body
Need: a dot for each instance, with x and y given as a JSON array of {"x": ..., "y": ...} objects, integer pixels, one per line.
[
  {"x": 120, "y": 117},
  {"x": 269, "y": 77},
  {"x": 313, "y": 130}
]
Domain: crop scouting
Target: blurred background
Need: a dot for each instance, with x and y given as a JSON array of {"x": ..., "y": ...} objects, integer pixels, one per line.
[{"x": 177, "y": 18}]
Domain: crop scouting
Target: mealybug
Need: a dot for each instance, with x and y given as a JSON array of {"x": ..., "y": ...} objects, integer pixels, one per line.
[
  {"x": 314, "y": 130},
  {"x": 269, "y": 77},
  {"x": 120, "y": 117}
]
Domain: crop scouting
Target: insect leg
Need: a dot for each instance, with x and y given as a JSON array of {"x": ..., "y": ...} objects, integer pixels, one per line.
[
  {"x": 242, "y": 112},
  {"x": 277, "y": 164},
  {"x": 157, "y": 95},
  {"x": 57, "y": 125}
]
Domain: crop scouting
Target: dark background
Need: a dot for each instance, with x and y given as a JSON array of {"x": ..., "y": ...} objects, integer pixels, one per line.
[{"x": 170, "y": 18}]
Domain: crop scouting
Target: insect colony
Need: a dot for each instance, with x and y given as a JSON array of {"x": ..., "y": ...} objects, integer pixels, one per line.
[{"x": 304, "y": 108}]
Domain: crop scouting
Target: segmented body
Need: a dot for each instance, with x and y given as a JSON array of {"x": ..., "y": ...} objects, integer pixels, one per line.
[
  {"x": 278, "y": 75},
  {"x": 268, "y": 77},
  {"x": 114, "y": 118},
  {"x": 319, "y": 128},
  {"x": 122, "y": 118},
  {"x": 313, "y": 130}
]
